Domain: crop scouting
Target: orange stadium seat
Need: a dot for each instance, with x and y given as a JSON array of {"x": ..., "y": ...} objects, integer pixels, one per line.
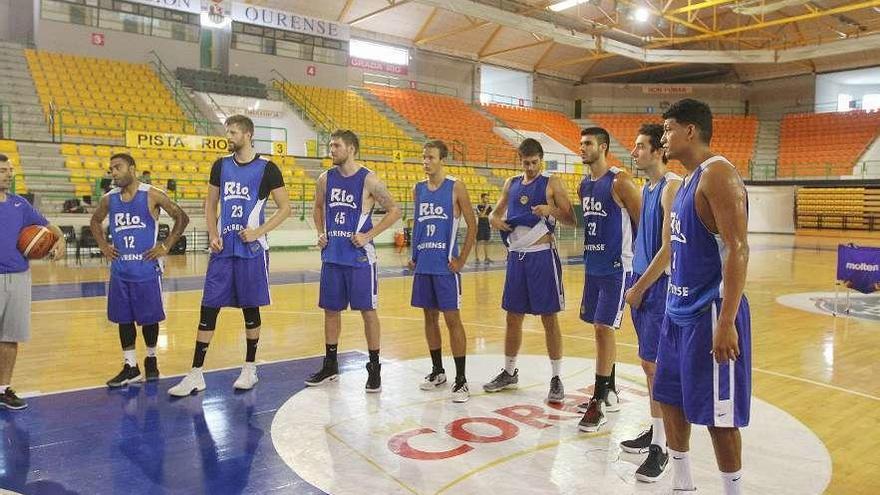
[
  {"x": 450, "y": 119},
  {"x": 824, "y": 144}
]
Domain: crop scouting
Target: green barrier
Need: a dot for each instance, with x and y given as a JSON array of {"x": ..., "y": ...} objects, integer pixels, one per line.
[
  {"x": 5, "y": 121},
  {"x": 86, "y": 123},
  {"x": 396, "y": 82}
]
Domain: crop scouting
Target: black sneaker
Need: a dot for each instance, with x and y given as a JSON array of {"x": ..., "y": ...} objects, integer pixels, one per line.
[
  {"x": 9, "y": 400},
  {"x": 654, "y": 466},
  {"x": 639, "y": 444},
  {"x": 151, "y": 368},
  {"x": 329, "y": 372},
  {"x": 374, "y": 378},
  {"x": 128, "y": 375}
]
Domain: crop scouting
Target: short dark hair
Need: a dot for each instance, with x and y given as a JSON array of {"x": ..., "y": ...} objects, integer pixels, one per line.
[
  {"x": 530, "y": 147},
  {"x": 692, "y": 112},
  {"x": 655, "y": 133},
  {"x": 124, "y": 156},
  {"x": 146, "y": 172},
  {"x": 242, "y": 121},
  {"x": 3, "y": 158},
  {"x": 348, "y": 137},
  {"x": 484, "y": 195},
  {"x": 439, "y": 146},
  {"x": 601, "y": 135}
]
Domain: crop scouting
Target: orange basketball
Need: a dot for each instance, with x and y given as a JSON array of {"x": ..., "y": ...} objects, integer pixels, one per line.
[{"x": 35, "y": 241}]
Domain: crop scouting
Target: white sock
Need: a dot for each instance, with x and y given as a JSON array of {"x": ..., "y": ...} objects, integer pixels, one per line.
[
  {"x": 732, "y": 482},
  {"x": 681, "y": 470},
  {"x": 659, "y": 434},
  {"x": 151, "y": 352},
  {"x": 3, "y": 388},
  {"x": 130, "y": 357},
  {"x": 556, "y": 364},
  {"x": 510, "y": 364}
]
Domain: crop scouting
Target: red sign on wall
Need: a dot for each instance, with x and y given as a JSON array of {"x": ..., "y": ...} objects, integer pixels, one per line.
[
  {"x": 311, "y": 70},
  {"x": 98, "y": 39},
  {"x": 400, "y": 70}
]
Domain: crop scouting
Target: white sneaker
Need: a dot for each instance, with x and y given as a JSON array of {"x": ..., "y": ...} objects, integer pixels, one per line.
[
  {"x": 193, "y": 381},
  {"x": 433, "y": 380},
  {"x": 612, "y": 401},
  {"x": 248, "y": 377},
  {"x": 460, "y": 392}
]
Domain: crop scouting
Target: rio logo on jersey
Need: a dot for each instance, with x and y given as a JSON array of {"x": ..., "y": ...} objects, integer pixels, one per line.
[
  {"x": 127, "y": 221},
  {"x": 341, "y": 197},
  {"x": 675, "y": 226},
  {"x": 430, "y": 211},
  {"x": 593, "y": 207},
  {"x": 234, "y": 190}
]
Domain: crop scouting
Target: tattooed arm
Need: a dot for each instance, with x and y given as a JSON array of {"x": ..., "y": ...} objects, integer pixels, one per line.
[{"x": 380, "y": 194}]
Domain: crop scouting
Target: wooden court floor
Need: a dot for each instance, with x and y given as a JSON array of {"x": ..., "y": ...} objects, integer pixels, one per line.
[{"x": 820, "y": 369}]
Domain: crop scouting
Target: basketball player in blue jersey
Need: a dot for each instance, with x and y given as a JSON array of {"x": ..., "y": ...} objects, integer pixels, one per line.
[
  {"x": 704, "y": 359},
  {"x": 440, "y": 202},
  {"x": 608, "y": 195},
  {"x": 526, "y": 213},
  {"x": 344, "y": 199},
  {"x": 135, "y": 295},
  {"x": 647, "y": 296},
  {"x": 238, "y": 270}
]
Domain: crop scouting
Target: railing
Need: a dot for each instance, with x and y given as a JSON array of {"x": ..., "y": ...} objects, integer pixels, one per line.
[
  {"x": 179, "y": 93},
  {"x": 315, "y": 114},
  {"x": 515, "y": 101},
  {"x": 68, "y": 119},
  {"x": 868, "y": 169},
  {"x": 651, "y": 109},
  {"x": 396, "y": 82},
  {"x": 5, "y": 121}
]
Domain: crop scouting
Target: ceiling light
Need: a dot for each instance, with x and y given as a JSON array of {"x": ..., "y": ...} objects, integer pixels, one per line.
[
  {"x": 565, "y": 4},
  {"x": 641, "y": 15}
]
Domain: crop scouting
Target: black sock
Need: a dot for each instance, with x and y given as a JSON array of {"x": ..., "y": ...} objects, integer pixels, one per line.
[
  {"x": 251, "y": 350},
  {"x": 611, "y": 384},
  {"x": 600, "y": 391},
  {"x": 151, "y": 334},
  {"x": 330, "y": 352},
  {"x": 199, "y": 354},
  {"x": 459, "y": 369},
  {"x": 374, "y": 356},
  {"x": 127, "y": 335},
  {"x": 436, "y": 360}
]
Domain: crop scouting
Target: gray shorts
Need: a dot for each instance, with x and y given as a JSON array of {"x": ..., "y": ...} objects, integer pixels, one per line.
[{"x": 15, "y": 307}]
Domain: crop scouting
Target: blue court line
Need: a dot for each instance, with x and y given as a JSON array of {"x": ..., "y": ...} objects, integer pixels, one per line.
[
  {"x": 78, "y": 290},
  {"x": 139, "y": 440}
]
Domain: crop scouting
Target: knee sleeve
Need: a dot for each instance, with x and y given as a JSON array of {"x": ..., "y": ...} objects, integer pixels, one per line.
[
  {"x": 251, "y": 317},
  {"x": 127, "y": 335},
  {"x": 151, "y": 334},
  {"x": 208, "y": 319}
]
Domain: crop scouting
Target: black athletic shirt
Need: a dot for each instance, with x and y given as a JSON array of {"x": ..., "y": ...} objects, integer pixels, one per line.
[{"x": 272, "y": 178}]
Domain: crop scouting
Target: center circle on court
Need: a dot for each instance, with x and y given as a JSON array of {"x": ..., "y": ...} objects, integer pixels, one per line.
[{"x": 405, "y": 440}]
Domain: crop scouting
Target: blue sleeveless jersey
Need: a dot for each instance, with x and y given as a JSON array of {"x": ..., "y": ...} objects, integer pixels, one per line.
[
  {"x": 697, "y": 255},
  {"x": 650, "y": 231},
  {"x": 133, "y": 230},
  {"x": 608, "y": 235},
  {"x": 436, "y": 228},
  {"x": 521, "y": 199},
  {"x": 343, "y": 216},
  {"x": 241, "y": 207}
]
